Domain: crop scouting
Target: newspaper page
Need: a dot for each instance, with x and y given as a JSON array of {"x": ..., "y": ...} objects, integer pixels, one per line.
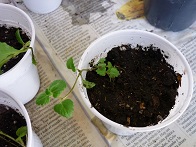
[{"x": 70, "y": 29}]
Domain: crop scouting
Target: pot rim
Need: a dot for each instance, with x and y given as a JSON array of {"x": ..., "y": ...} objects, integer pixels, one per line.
[{"x": 160, "y": 125}]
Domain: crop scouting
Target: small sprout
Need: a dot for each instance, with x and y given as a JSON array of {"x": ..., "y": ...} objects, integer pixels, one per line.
[
  {"x": 65, "y": 107},
  {"x": 21, "y": 132},
  {"x": 18, "y": 37},
  {"x": 106, "y": 69}
]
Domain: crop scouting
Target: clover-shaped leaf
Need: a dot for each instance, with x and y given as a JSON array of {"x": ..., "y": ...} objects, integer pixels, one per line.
[{"x": 65, "y": 108}]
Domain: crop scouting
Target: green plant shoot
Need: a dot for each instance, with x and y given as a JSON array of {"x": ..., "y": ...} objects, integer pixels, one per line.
[
  {"x": 107, "y": 69},
  {"x": 8, "y": 52},
  {"x": 21, "y": 132},
  {"x": 65, "y": 107}
]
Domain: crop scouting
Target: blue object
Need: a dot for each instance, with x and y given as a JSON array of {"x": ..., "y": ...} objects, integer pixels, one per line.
[{"x": 170, "y": 15}]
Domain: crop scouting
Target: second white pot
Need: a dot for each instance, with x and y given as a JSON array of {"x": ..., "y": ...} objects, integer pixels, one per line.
[{"x": 42, "y": 6}]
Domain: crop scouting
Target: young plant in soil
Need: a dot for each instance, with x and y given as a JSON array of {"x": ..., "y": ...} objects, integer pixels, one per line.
[
  {"x": 21, "y": 132},
  {"x": 12, "y": 49},
  {"x": 65, "y": 106},
  {"x": 13, "y": 130},
  {"x": 145, "y": 91}
]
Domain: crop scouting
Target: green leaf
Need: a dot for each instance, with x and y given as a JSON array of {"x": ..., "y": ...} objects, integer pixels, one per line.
[
  {"x": 33, "y": 57},
  {"x": 101, "y": 60},
  {"x": 7, "y": 52},
  {"x": 57, "y": 87},
  {"x": 101, "y": 69},
  {"x": 47, "y": 91},
  {"x": 22, "y": 131},
  {"x": 88, "y": 84},
  {"x": 109, "y": 65},
  {"x": 113, "y": 72},
  {"x": 65, "y": 108},
  {"x": 70, "y": 64},
  {"x": 18, "y": 37},
  {"x": 42, "y": 99}
]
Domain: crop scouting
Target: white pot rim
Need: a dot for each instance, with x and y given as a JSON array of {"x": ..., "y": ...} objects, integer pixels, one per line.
[{"x": 166, "y": 121}]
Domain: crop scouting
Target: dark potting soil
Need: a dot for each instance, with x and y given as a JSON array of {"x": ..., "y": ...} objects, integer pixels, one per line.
[
  {"x": 7, "y": 35},
  {"x": 10, "y": 121},
  {"x": 145, "y": 91}
]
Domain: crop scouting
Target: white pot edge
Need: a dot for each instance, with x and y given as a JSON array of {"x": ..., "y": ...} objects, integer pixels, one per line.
[{"x": 118, "y": 128}]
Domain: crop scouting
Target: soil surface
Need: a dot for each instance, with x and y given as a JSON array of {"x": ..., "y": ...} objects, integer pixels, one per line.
[
  {"x": 10, "y": 121},
  {"x": 145, "y": 91},
  {"x": 7, "y": 35}
]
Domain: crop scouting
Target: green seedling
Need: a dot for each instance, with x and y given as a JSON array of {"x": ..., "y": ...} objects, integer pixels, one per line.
[
  {"x": 66, "y": 107},
  {"x": 8, "y": 52},
  {"x": 21, "y": 132}
]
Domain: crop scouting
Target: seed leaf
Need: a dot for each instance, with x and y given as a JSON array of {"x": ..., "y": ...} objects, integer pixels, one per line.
[
  {"x": 42, "y": 99},
  {"x": 70, "y": 64},
  {"x": 113, "y": 72},
  {"x": 57, "y": 87},
  {"x": 101, "y": 69},
  {"x": 88, "y": 84},
  {"x": 18, "y": 37},
  {"x": 22, "y": 131},
  {"x": 65, "y": 108}
]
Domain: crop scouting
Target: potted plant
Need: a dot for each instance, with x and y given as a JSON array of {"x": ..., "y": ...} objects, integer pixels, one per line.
[
  {"x": 139, "y": 42},
  {"x": 42, "y": 7},
  {"x": 15, "y": 129},
  {"x": 22, "y": 80},
  {"x": 160, "y": 84}
]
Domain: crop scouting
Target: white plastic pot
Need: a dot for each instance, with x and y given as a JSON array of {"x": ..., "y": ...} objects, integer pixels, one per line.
[
  {"x": 32, "y": 138},
  {"x": 22, "y": 81},
  {"x": 42, "y": 6},
  {"x": 101, "y": 46}
]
